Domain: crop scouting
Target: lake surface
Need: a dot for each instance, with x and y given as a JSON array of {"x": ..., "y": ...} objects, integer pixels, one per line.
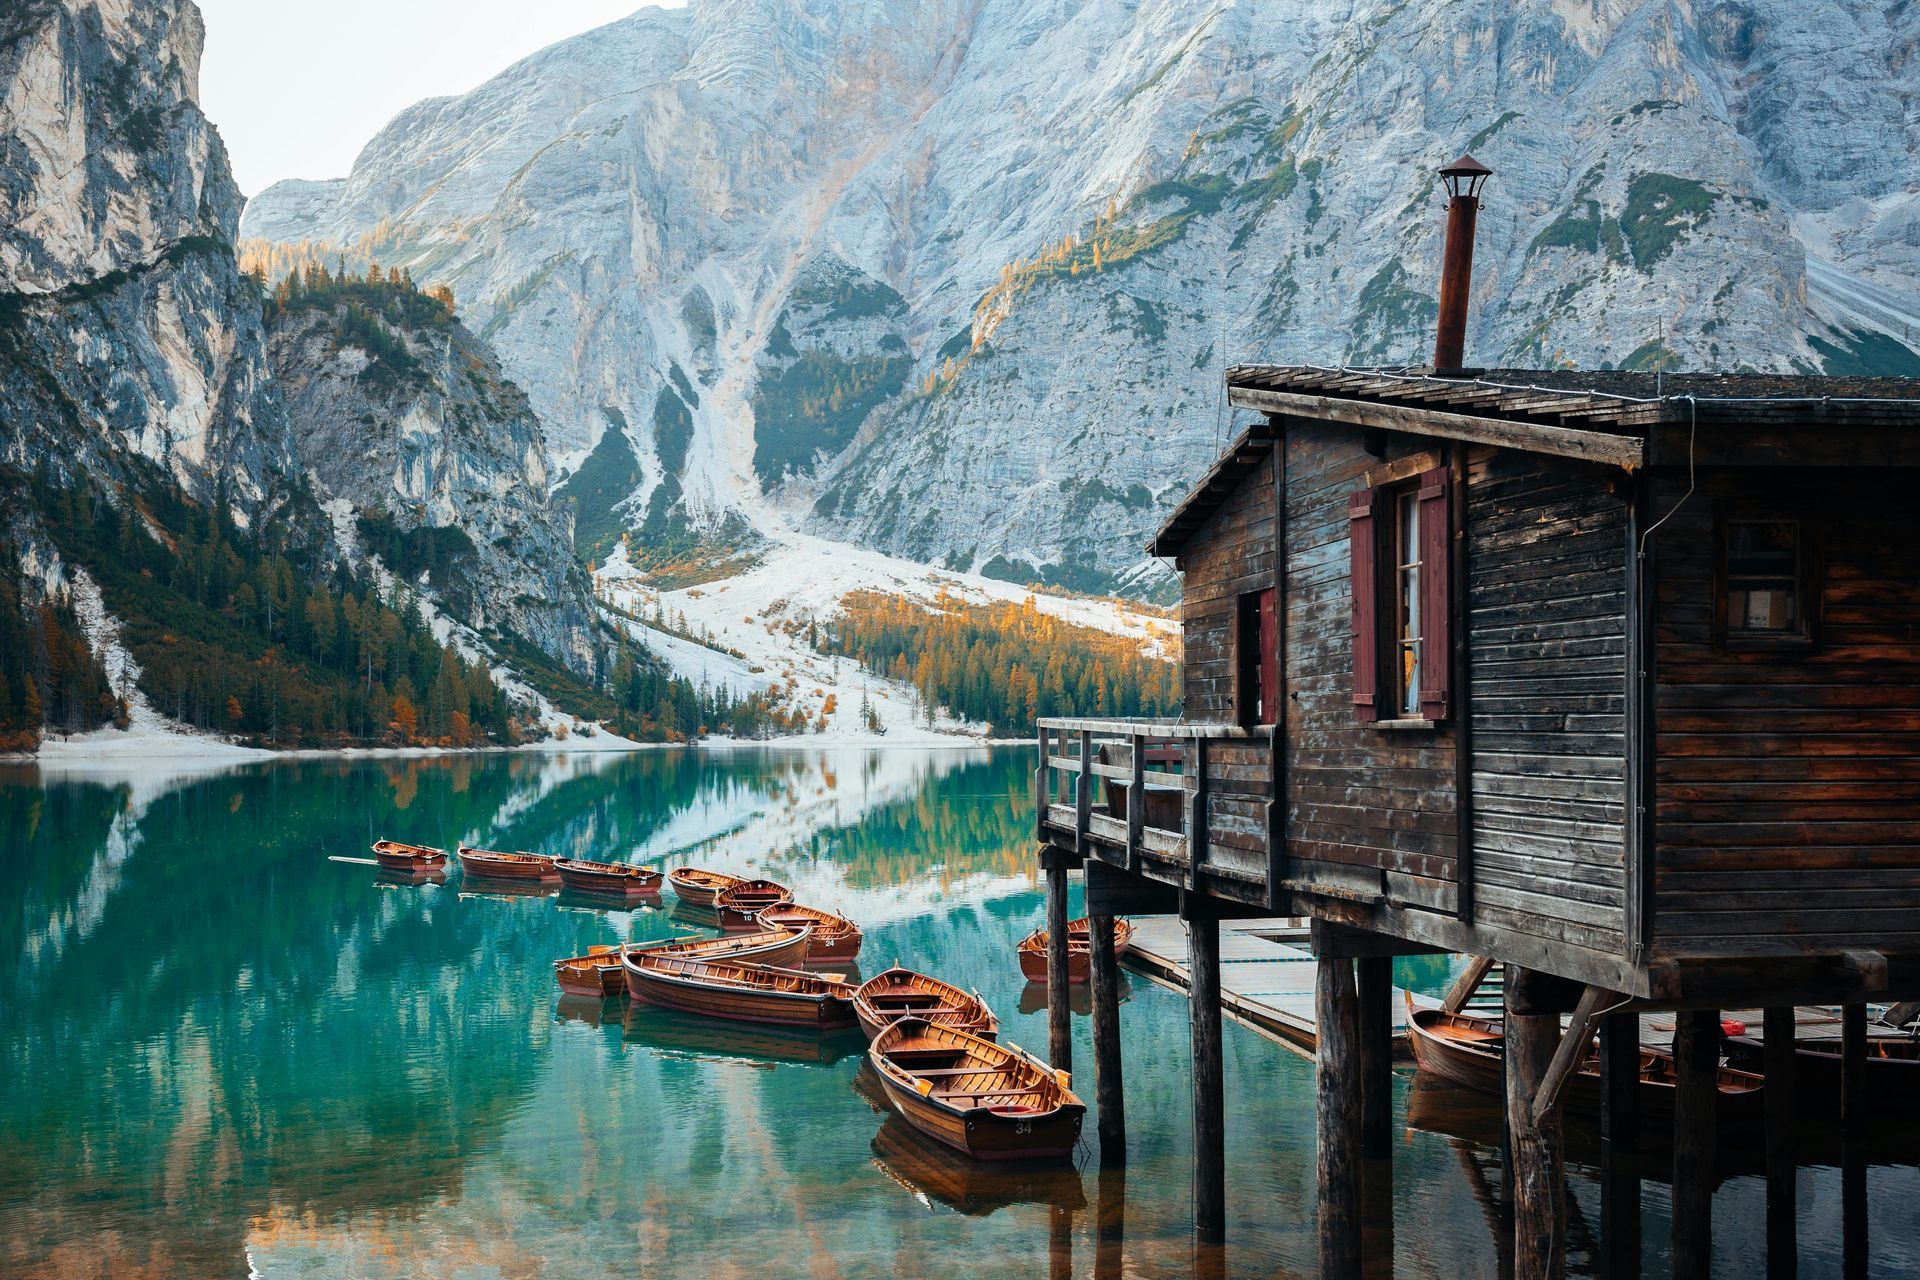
[{"x": 223, "y": 1053}]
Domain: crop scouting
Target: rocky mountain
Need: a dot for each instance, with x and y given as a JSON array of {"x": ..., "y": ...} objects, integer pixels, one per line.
[
  {"x": 133, "y": 347},
  {"x": 959, "y": 280},
  {"x": 403, "y": 418}
]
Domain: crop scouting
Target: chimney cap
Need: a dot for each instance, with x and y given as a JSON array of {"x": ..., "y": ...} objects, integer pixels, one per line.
[{"x": 1465, "y": 176}]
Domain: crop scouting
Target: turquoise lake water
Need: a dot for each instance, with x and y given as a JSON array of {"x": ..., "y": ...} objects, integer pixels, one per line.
[{"x": 224, "y": 1054}]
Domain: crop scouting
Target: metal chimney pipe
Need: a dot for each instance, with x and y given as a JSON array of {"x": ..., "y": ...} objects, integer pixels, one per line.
[{"x": 1463, "y": 179}]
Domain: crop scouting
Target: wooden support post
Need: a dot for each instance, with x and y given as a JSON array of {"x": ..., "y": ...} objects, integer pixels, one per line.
[
  {"x": 1569, "y": 1053},
  {"x": 1042, "y": 796},
  {"x": 1619, "y": 1215},
  {"x": 1467, "y": 983},
  {"x": 1853, "y": 1069},
  {"x": 1059, "y": 1015},
  {"x": 1375, "y": 988},
  {"x": 1696, "y": 1065},
  {"x": 1854, "y": 1237},
  {"x": 1109, "y": 1096},
  {"x": 1336, "y": 1011},
  {"x": 1110, "y": 1224},
  {"x": 1209, "y": 1097},
  {"x": 1620, "y": 1079},
  {"x": 1197, "y": 814},
  {"x": 1083, "y": 795},
  {"x": 1777, "y": 1050},
  {"x": 1539, "y": 1181}
]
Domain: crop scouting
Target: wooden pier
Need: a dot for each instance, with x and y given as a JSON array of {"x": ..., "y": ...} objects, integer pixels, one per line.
[{"x": 1266, "y": 976}]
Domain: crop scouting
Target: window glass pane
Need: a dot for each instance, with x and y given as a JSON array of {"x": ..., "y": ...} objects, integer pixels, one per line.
[
  {"x": 1763, "y": 576},
  {"x": 1407, "y": 606}
]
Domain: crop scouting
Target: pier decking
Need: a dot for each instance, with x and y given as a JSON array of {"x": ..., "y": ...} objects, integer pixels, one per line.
[{"x": 1266, "y": 976}]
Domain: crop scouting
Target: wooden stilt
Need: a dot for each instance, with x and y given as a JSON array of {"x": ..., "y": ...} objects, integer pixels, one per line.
[
  {"x": 1619, "y": 1214},
  {"x": 1059, "y": 1021},
  {"x": 1696, "y": 1061},
  {"x": 1539, "y": 1183},
  {"x": 1853, "y": 1069},
  {"x": 1336, "y": 1008},
  {"x": 1620, "y": 1079},
  {"x": 1106, "y": 1044},
  {"x": 1111, "y": 1232},
  {"x": 1060, "y": 1243},
  {"x": 1853, "y": 1208},
  {"x": 1777, "y": 1047},
  {"x": 1375, "y": 985},
  {"x": 1209, "y": 1097}
]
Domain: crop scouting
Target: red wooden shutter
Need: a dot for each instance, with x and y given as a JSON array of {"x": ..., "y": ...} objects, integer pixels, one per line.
[
  {"x": 1366, "y": 604},
  {"x": 1269, "y": 659},
  {"x": 1436, "y": 596}
]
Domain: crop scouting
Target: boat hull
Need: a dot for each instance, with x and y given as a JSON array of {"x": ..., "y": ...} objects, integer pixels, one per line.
[
  {"x": 835, "y": 938},
  {"x": 1471, "y": 1058},
  {"x": 742, "y": 918},
  {"x": 897, "y": 994},
  {"x": 608, "y": 884},
  {"x": 985, "y": 1134},
  {"x": 1033, "y": 952},
  {"x": 689, "y": 993},
  {"x": 783, "y": 948},
  {"x": 1892, "y": 1082},
  {"x": 519, "y": 868},
  {"x": 392, "y": 855},
  {"x": 698, "y": 889},
  {"x": 597, "y": 975}
]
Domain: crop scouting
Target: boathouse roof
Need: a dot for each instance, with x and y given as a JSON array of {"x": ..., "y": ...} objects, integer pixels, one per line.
[{"x": 1619, "y": 418}]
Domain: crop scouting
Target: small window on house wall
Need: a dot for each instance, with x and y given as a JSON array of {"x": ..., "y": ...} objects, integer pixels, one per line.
[
  {"x": 1767, "y": 586},
  {"x": 1257, "y": 646},
  {"x": 1402, "y": 615}
]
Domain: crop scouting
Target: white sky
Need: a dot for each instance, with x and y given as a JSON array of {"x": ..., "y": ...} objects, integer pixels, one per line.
[{"x": 297, "y": 87}]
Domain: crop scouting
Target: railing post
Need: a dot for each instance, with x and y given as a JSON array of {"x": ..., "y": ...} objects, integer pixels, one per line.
[
  {"x": 1040, "y": 797},
  {"x": 1197, "y": 814},
  {"x": 1083, "y": 796},
  {"x": 1136, "y": 801},
  {"x": 1059, "y": 1028}
]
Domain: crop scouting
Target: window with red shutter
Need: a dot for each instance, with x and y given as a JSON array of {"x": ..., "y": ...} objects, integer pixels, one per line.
[
  {"x": 1257, "y": 643},
  {"x": 1436, "y": 605},
  {"x": 1363, "y": 539},
  {"x": 1402, "y": 609}
]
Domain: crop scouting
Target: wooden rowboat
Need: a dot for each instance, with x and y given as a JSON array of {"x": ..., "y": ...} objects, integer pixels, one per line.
[
  {"x": 597, "y": 974},
  {"x": 1892, "y": 1075},
  {"x": 989, "y": 1101},
  {"x": 770, "y": 946},
  {"x": 1466, "y": 1049},
  {"x": 492, "y": 865},
  {"x": 697, "y": 887},
  {"x": 740, "y": 992},
  {"x": 608, "y": 878},
  {"x": 397, "y": 855},
  {"x": 885, "y": 998},
  {"x": 740, "y": 904},
  {"x": 834, "y": 937},
  {"x": 1033, "y": 950}
]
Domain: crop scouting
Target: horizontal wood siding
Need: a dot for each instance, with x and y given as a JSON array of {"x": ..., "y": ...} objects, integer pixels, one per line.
[
  {"x": 1229, "y": 555},
  {"x": 1368, "y": 809},
  {"x": 1547, "y": 555},
  {"x": 1788, "y": 804}
]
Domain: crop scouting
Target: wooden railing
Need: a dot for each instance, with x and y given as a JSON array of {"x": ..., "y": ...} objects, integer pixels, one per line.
[{"x": 1191, "y": 797}]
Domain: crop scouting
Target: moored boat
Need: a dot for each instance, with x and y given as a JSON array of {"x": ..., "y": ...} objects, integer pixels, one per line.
[
  {"x": 899, "y": 993},
  {"x": 834, "y": 937},
  {"x": 1033, "y": 950},
  {"x": 696, "y": 886},
  {"x": 740, "y": 904},
  {"x": 740, "y": 992},
  {"x": 986, "y": 1100},
  {"x": 397, "y": 855},
  {"x": 617, "y": 879},
  {"x": 597, "y": 974},
  {"x": 491, "y": 864},
  {"x": 1892, "y": 1076},
  {"x": 769, "y": 946},
  {"x": 1466, "y": 1049}
]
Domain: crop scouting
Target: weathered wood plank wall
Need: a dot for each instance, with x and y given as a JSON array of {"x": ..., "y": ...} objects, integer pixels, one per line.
[
  {"x": 1547, "y": 556},
  {"x": 1788, "y": 804},
  {"x": 1368, "y": 808}
]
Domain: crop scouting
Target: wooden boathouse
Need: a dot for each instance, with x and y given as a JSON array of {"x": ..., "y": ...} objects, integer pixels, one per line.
[{"x": 1611, "y": 678}]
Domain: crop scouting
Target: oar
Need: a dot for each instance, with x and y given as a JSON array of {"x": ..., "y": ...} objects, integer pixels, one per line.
[{"x": 358, "y": 862}]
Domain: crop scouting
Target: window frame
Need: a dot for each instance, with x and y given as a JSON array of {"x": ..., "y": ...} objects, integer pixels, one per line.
[
  {"x": 1386, "y": 695},
  {"x": 1249, "y": 656},
  {"x": 1809, "y": 576}
]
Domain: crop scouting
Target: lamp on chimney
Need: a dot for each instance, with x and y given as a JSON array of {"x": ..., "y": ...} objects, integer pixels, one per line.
[{"x": 1463, "y": 179}]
